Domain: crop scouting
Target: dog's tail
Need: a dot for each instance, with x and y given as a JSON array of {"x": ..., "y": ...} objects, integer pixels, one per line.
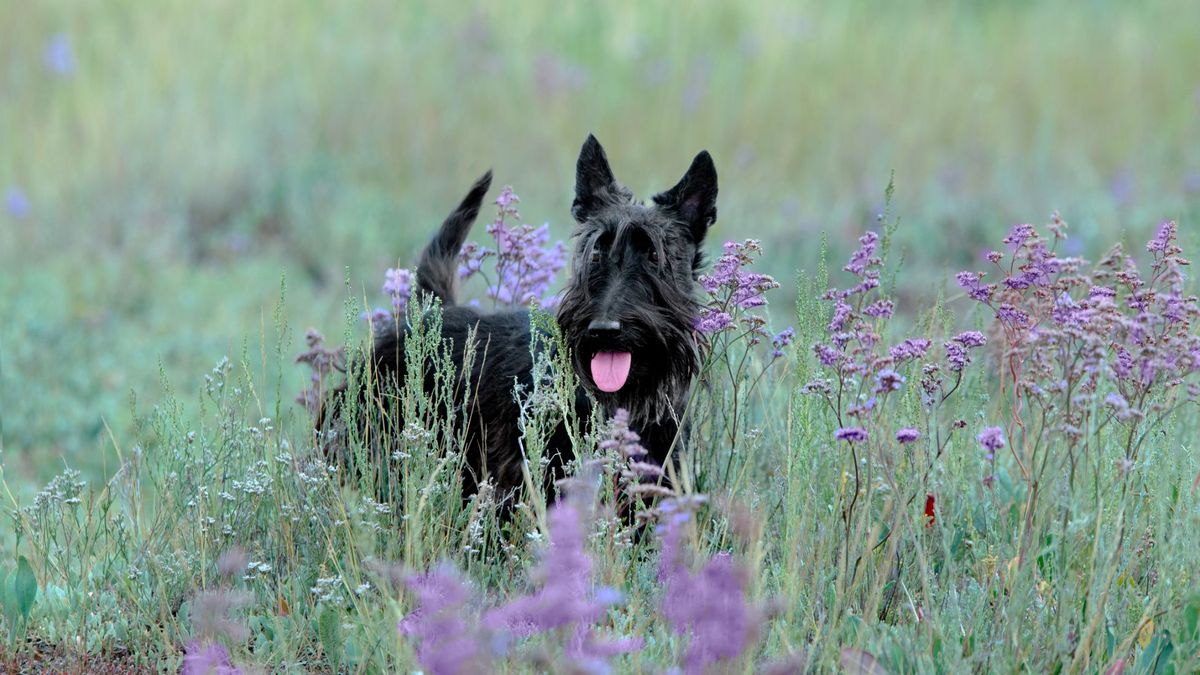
[{"x": 437, "y": 270}]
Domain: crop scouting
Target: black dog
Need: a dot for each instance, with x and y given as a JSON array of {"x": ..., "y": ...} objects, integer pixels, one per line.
[{"x": 627, "y": 314}]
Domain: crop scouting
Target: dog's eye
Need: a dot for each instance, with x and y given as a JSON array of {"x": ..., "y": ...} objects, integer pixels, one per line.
[{"x": 653, "y": 255}]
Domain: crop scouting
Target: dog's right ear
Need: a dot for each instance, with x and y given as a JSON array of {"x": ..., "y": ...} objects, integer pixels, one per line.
[
  {"x": 693, "y": 200},
  {"x": 595, "y": 185}
]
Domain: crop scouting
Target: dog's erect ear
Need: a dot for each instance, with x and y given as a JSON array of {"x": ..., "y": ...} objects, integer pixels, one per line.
[
  {"x": 693, "y": 200},
  {"x": 595, "y": 184}
]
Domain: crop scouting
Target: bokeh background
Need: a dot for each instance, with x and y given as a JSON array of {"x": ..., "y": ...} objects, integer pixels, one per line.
[{"x": 186, "y": 180}]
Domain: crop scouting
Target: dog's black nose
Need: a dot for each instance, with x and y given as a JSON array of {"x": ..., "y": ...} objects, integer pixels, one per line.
[{"x": 604, "y": 329}]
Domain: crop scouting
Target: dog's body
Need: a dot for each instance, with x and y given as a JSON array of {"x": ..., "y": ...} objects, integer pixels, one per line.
[{"x": 627, "y": 315}]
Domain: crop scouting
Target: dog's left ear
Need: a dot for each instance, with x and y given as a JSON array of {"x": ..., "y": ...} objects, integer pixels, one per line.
[
  {"x": 693, "y": 200},
  {"x": 595, "y": 185}
]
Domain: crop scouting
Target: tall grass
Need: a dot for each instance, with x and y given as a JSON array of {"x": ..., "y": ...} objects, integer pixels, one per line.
[{"x": 913, "y": 499}]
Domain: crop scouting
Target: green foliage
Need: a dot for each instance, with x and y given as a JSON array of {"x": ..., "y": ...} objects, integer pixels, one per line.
[
  {"x": 18, "y": 590},
  {"x": 329, "y": 630}
]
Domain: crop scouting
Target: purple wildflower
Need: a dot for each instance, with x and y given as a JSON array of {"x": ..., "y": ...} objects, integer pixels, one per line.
[
  {"x": 621, "y": 439},
  {"x": 398, "y": 285},
  {"x": 994, "y": 256},
  {"x": 817, "y": 386},
  {"x": 1123, "y": 366},
  {"x": 564, "y": 574},
  {"x": 970, "y": 339},
  {"x": 972, "y": 283},
  {"x": 931, "y": 383},
  {"x": 1174, "y": 308},
  {"x": 643, "y": 469},
  {"x": 851, "y": 434},
  {"x": 449, "y": 637},
  {"x": 881, "y": 309},
  {"x": 724, "y": 271},
  {"x": 956, "y": 356},
  {"x": 912, "y": 348},
  {"x": 828, "y": 356},
  {"x": 323, "y": 361},
  {"x": 526, "y": 264},
  {"x": 1162, "y": 238},
  {"x": 1011, "y": 315},
  {"x": 58, "y": 55},
  {"x": 864, "y": 257},
  {"x": 207, "y": 659},
  {"x": 730, "y": 286},
  {"x": 16, "y": 203},
  {"x": 782, "y": 340},
  {"x": 214, "y": 611},
  {"x": 1101, "y": 296},
  {"x": 506, "y": 199},
  {"x": 888, "y": 380},
  {"x": 750, "y": 288},
  {"x": 640, "y": 474},
  {"x": 1148, "y": 370},
  {"x": 870, "y": 280},
  {"x": 992, "y": 439},
  {"x": 713, "y": 320},
  {"x": 841, "y": 314},
  {"x": 1057, "y": 226},
  {"x": 710, "y": 606},
  {"x": 1066, "y": 312},
  {"x": 1018, "y": 282},
  {"x": 471, "y": 259},
  {"x": 1121, "y": 407},
  {"x": 907, "y": 435},
  {"x": 564, "y": 598},
  {"x": 379, "y": 318},
  {"x": 232, "y": 562},
  {"x": 1019, "y": 235},
  {"x": 446, "y": 641},
  {"x": 860, "y": 410}
]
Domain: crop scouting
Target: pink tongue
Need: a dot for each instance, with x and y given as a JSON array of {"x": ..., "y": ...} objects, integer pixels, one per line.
[{"x": 610, "y": 370}]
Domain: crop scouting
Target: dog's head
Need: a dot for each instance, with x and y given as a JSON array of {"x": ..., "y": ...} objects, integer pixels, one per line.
[{"x": 629, "y": 309}]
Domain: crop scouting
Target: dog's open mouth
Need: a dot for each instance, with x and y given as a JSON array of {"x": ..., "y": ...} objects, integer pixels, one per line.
[{"x": 610, "y": 370}]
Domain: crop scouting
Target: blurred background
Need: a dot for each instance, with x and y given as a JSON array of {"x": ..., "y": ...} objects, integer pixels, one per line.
[{"x": 168, "y": 168}]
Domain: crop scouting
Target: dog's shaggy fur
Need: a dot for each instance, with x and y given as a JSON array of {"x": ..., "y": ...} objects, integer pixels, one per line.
[{"x": 627, "y": 314}]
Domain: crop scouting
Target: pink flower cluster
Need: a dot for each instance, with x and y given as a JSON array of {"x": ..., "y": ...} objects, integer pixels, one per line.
[
  {"x": 861, "y": 373},
  {"x": 1079, "y": 337},
  {"x": 733, "y": 291},
  {"x": 563, "y": 604},
  {"x": 323, "y": 361},
  {"x": 526, "y": 264},
  {"x": 708, "y": 606}
]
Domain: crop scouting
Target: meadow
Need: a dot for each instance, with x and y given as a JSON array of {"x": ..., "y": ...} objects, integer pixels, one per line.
[{"x": 935, "y": 471}]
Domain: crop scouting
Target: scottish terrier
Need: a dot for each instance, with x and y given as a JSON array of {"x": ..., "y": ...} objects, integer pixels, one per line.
[{"x": 627, "y": 315}]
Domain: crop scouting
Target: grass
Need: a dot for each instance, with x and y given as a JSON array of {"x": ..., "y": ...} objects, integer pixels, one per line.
[{"x": 206, "y": 183}]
